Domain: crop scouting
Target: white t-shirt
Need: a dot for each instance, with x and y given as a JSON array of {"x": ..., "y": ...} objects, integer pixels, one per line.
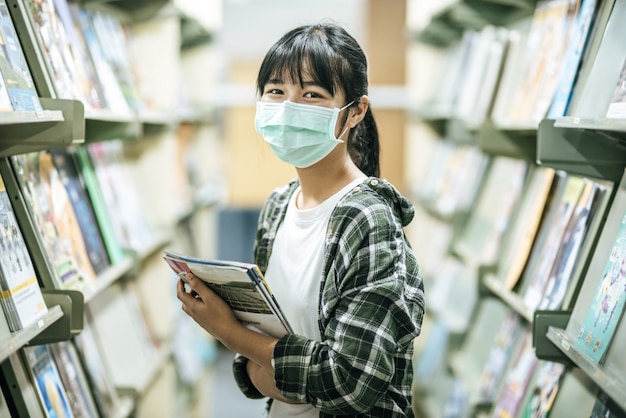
[{"x": 294, "y": 274}]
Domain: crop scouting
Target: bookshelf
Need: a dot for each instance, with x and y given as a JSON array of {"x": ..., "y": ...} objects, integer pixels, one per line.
[
  {"x": 577, "y": 140},
  {"x": 153, "y": 140}
]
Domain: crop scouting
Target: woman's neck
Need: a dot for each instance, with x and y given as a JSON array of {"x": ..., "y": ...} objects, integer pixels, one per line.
[{"x": 326, "y": 178}]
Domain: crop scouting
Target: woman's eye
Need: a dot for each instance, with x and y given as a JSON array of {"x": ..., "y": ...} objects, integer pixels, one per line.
[{"x": 274, "y": 91}]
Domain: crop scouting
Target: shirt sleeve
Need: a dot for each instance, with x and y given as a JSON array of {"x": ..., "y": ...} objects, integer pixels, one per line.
[{"x": 242, "y": 379}]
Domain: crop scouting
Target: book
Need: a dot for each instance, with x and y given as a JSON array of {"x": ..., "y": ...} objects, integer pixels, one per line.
[
  {"x": 545, "y": 51},
  {"x": 69, "y": 172},
  {"x": 523, "y": 227},
  {"x": 544, "y": 390},
  {"x": 45, "y": 373},
  {"x": 517, "y": 379},
  {"x": 120, "y": 195},
  {"x": 241, "y": 285},
  {"x": 113, "y": 246},
  {"x": 22, "y": 301},
  {"x": 567, "y": 257},
  {"x": 13, "y": 67},
  {"x": 98, "y": 376},
  {"x": 607, "y": 304},
  {"x": 545, "y": 255},
  {"x": 54, "y": 218},
  {"x": 617, "y": 107},
  {"x": 73, "y": 378},
  {"x": 573, "y": 58},
  {"x": 5, "y": 100},
  {"x": 499, "y": 355}
]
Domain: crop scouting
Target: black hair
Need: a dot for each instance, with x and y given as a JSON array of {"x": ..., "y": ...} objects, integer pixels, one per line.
[{"x": 335, "y": 61}]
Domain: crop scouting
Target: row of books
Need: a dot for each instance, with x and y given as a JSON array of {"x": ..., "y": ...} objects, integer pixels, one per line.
[
  {"x": 85, "y": 52},
  {"x": 86, "y": 216},
  {"x": 532, "y": 231},
  {"x": 81, "y": 377},
  {"x": 531, "y": 70}
]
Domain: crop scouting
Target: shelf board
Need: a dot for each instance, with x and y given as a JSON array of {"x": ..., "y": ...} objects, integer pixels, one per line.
[
  {"x": 102, "y": 126},
  {"x": 591, "y": 148},
  {"x": 109, "y": 276},
  {"x": 18, "y": 339},
  {"x": 61, "y": 124},
  {"x": 136, "y": 10},
  {"x": 510, "y": 298},
  {"x": 606, "y": 378},
  {"x": 514, "y": 141}
]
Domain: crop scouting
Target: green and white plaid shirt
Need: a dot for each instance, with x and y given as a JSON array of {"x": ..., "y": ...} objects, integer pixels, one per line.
[{"x": 371, "y": 307}]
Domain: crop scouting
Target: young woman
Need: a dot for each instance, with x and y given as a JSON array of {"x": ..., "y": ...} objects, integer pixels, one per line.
[{"x": 330, "y": 243}]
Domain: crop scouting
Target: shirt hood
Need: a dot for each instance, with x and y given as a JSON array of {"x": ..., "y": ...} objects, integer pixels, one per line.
[{"x": 402, "y": 208}]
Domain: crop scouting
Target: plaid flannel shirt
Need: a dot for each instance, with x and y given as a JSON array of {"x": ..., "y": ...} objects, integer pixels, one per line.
[{"x": 371, "y": 307}]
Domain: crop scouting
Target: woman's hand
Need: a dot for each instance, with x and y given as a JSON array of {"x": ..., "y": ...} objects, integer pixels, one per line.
[{"x": 205, "y": 307}]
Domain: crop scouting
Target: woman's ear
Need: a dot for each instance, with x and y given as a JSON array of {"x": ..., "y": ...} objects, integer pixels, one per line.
[{"x": 357, "y": 113}]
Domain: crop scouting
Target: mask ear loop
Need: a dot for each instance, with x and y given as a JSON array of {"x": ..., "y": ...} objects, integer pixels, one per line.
[{"x": 346, "y": 127}]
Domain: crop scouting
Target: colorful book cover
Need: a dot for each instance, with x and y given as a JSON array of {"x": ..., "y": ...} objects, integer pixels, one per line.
[
  {"x": 607, "y": 304},
  {"x": 545, "y": 51},
  {"x": 544, "y": 390},
  {"x": 100, "y": 381},
  {"x": 498, "y": 357},
  {"x": 48, "y": 382},
  {"x": 517, "y": 379},
  {"x": 577, "y": 45},
  {"x": 57, "y": 50},
  {"x": 19, "y": 83},
  {"x": 74, "y": 379},
  {"x": 5, "y": 100},
  {"x": 66, "y": 165},
  {"x": 54, "y": 219},
  {"x": 617, "y": 107},
  {"x": 21, "y": 297}
]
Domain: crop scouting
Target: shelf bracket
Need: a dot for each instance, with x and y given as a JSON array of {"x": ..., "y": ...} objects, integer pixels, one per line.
[
  {"x": 71, "y": 323},
  {"x": 544, "y": 348}
]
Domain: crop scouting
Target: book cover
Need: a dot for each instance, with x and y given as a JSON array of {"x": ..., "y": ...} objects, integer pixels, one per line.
[
  {"x": 523, "y": 229},
  {"x": 568, "y": 255},
  {"x": 554, "y": 231},
  {"x": 241, "y": 285},
  {"x": 54, "y": 219},
  {"x": 544, "y": 390},
  {"x": 113, "y": 247},
  {"x": 57, "y": 50},
  {"x": 498, "y": 357},
  {"x": 517, "y": 379},
  {"x": 66, "y": 165},
  {"x": 44, "y": 371},
  {"x": 73, "y": 378},
  {"x": 112, "y": 95},
  {"x": 19, "y": 83},
  {"x": 617, "y": 107},
  {"x": 120, "y": 195},
  {"x": 22, "y": 301},
  {"x": 545, "y": 50},
  {"x": 5, "y": 100},
  {"x": 573, "y": 57},
  {"x": 100, "y": 381},
  {"x": 607, "y": 304},
  {"x": 84, "y": 72}
]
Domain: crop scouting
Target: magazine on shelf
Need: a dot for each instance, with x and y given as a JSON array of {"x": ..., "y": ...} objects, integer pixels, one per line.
[
  {"x": 607, "y": 304},
  {"x": 617, "y": 107},
  {"x": 241, "y": 285}
]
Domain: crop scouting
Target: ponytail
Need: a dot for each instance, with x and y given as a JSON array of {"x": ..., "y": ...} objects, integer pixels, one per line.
[{"x": 363, "y": 145}]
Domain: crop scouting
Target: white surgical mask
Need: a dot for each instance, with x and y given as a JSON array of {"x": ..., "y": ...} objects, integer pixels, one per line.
[{"x": 299, "y": 134}]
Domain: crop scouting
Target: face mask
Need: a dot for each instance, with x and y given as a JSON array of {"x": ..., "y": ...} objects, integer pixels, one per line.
[{"x": 299, "y": 134}]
